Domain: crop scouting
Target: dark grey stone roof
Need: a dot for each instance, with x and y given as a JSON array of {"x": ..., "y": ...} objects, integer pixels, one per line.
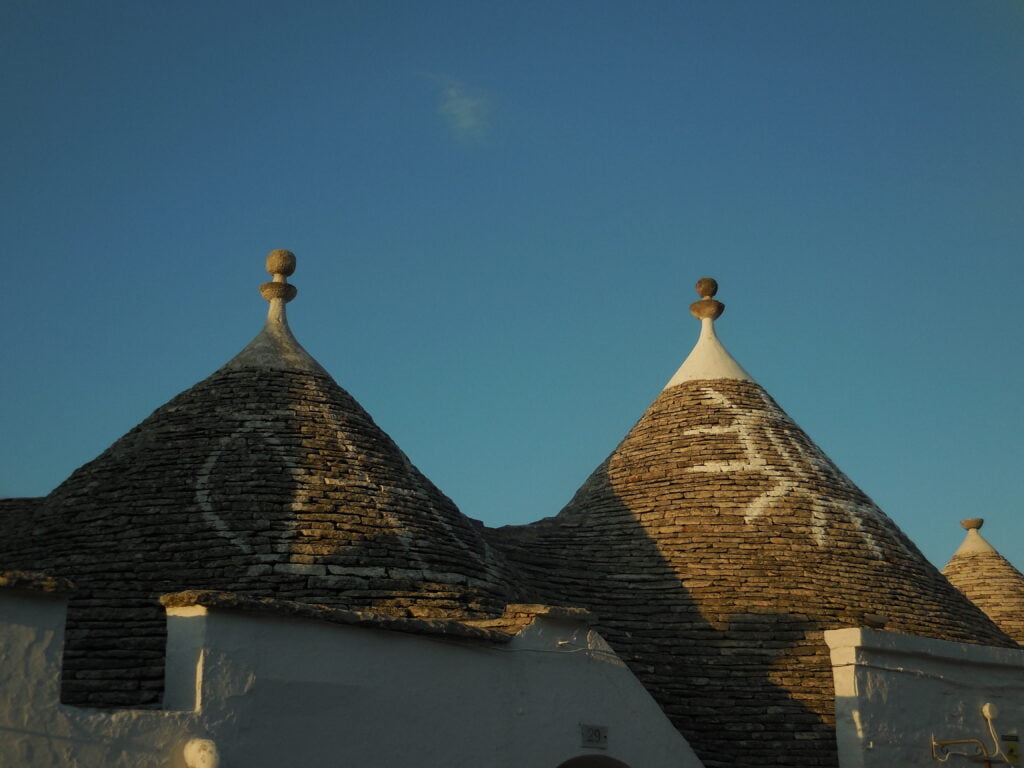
[
  {"x": 16, "y": 517},
  {"x": 266, "y": 479}
]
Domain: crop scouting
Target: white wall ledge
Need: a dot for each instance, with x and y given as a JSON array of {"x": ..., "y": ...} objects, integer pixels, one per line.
[
  {"x": 896, "y": 694},
  {"x": 854, "y": 645},
  {"x": 266, "y": 689}
]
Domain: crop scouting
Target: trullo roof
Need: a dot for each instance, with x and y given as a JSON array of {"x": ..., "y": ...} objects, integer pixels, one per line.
[
  {"x": 716, "y": 544},
  {"x": 266, "y": 478},
  {"x": 989, "y": 580}
]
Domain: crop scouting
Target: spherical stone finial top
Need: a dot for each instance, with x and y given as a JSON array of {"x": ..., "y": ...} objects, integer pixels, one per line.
[
  {"x": 281, "y": 262},
  {"x": 972, "y": 523},
  {"x": 707, "y": 287},
  {"x": 707, "y": 308}
]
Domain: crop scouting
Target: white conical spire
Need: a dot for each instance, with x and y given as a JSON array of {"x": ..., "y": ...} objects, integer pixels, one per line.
[
  {"x": 708, "y": 359},
  {"x": 275, "y": 346},
  {"x": 974, "y": 543}
]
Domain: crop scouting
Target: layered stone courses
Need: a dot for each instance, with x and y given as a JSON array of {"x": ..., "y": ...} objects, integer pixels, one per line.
[
  {"x": 715, "y": 545},
  {"x": 35, "y": 582},
  {"x": 459, "y": 630},
  {"x": 16, "y": 518},
  {"x": 498, "y": 629},
  {"x": 266, "y": 482},
  {"x": 994, "y": 585}
]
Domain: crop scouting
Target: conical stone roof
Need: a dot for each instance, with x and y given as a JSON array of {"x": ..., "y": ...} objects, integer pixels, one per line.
[
  {"x": 988, "y": 580},
  {"x": 716, "y": 544},
  {"x": 268, "y": 479}
]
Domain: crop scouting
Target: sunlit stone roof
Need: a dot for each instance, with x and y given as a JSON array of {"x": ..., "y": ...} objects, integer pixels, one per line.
[
  {"x": 989, "y": 580},
  {"x": 715, "y": 545}
]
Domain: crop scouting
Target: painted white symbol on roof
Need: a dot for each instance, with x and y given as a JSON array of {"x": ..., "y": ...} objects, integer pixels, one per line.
[
  {"x": 206, "y": 481},
  {"x": 794, "y": 468}
]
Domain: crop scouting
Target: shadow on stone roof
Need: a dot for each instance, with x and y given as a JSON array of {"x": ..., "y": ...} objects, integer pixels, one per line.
[
  {"x": 715, "y": 675},
  {"x": 270, "y": 483}
]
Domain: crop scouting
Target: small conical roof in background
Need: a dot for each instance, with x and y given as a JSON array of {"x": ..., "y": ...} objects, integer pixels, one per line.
[
  {"x": 988, "y": 580},
  {"x": 716, "y": 544},
  {"x": 266, "y": 478}
]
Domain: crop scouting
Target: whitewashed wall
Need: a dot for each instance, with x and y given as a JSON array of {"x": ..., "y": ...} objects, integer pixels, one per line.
[
  {"x": 285, "y": 691},
  {"x": 896, "y": 693},
  {"x": 36, "y": 731}
]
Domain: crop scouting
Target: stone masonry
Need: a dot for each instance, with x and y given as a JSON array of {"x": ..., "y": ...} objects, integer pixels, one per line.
[
  {"x": 712, "y": 548},
  {"x": 267, "y": 482},
  {"x": 989, "y": 581},
  {"x": 715, "y": 545}
]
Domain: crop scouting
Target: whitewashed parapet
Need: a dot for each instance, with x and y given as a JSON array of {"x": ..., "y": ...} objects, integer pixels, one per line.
[
  {"x": 36, "y": 730},
  {"x": 32, "y": 612},
  {"x": 901, "y": 700},
  {"x": 264, "y": 683},
  {"x": 537, "y": 687}
]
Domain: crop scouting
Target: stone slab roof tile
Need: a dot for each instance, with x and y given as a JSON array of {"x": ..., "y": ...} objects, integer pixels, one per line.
[
  {"x": 35, "y": 582},
  {"x": 266, "y": 479},
  {"x": 450, "y": 627},
  {"x": 716, "y": 544}
]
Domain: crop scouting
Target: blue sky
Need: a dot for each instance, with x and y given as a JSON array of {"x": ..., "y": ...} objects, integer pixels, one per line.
[{"x": 500, "y": 209}]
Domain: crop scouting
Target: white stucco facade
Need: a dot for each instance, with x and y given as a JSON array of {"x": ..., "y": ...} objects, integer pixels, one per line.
[
  {"x": 36, "y": 731},
  {"x": 254, "y": 690},
  {"x": 899, "y": 697}
]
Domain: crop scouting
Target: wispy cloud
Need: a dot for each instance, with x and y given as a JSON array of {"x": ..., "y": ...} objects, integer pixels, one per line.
[{"x": 467, "y": 111}]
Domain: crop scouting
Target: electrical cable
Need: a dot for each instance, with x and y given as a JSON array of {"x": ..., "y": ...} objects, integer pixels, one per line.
[{"x": 992, "y": 731}]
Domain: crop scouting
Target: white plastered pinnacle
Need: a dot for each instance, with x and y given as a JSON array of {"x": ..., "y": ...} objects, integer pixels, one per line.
[
  {"x": 708, "y": 360},
  {"x": 275, "y": 346},
  {"x": 974, "y": 544}
]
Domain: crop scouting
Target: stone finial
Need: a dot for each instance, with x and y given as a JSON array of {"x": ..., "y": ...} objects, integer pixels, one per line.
[
  {"x": 707, "y": 307},
  {"x": 707, "y": 287},
  {"x": 275, "y": 346},
  {"x": 280, "y": 264},
  {"x": 708, "y": 360},
  {"x": 974, "y": 543}
]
